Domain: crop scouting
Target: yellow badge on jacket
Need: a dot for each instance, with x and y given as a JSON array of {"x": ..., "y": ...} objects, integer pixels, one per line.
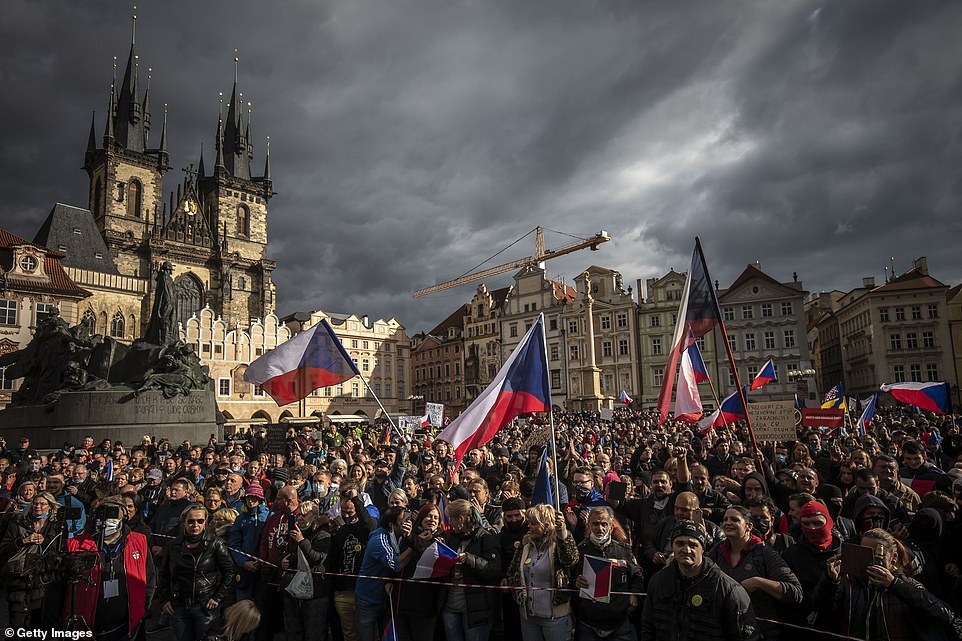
[{"x": 696, "y": 600}]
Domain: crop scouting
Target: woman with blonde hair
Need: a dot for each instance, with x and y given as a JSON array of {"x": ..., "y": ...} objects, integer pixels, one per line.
[
  {"x": 240, "y": 620},
  {"x": 541, "y": 569},
  {"x": 885, "y": 603}
]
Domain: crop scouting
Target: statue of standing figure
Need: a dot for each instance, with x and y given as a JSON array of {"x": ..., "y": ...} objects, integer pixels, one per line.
[{"x": 160, "y": 329}]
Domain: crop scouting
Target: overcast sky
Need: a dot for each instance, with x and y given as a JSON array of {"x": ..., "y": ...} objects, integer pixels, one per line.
[{"x": 412, "y": 139}]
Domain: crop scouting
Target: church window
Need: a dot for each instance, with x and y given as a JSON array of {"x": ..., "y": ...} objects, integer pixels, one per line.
[
  {"x": 241, "y": 283},
  {"x": 98, "y": 197},
  {"x": 90, "y": 320},
  {"x": 117, "y": 325},
  {"x": 243, "y": 220},
  {"x": 135, "y": 198},
  {"x": 188, "y": 298}
]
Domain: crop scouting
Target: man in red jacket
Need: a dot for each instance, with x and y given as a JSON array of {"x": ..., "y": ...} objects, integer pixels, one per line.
[
  {"x": 275, "y": 545},
  {"x": 113, "y": 598}
]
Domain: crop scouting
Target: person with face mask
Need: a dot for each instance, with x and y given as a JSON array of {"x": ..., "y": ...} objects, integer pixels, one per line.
[
  {"x": 418, "y": 603},
  {"x": 354, "y": 526},
  {"x": 32, "y": 533},
  {"x": 515, "y": 527},
  {"x": 870, "y": 512},
  {"x": 607, "y": 540},
  {"x": 831, "y": 496},
  {"x": 114, "y": 598},
  {"x": 807, "y": 558}
]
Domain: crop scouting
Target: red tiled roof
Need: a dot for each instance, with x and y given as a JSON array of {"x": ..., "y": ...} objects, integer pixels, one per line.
[
  {"x": 454, "y": 320},
  {"x": 952, "y": 293},
  {"x": 562, "y": 291},
  {"x": 9, "y": 239},
  {"x": 912, "y": 279},
  {"x": 60, "y": 283}
]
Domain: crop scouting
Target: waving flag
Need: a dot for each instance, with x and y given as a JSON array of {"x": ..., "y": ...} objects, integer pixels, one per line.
[
  {"x": 520, "y": 387},
  {"x": 426, "y": 420},
  {"x": 597, "y": 572},
  {"x": 624, "y": 398},
  {"x": 927, "y": 396},
  {"x": 313, "y": 359},
  {"x": 688, "y": 406},
  {"x": 697, "y": 315},
  {"x": 543, "y": 493},
  {"x": 731, "y": 410},
  {"x": 835, "y": 398},
  {"x": 698, "y": 367},
  {"x": 765, "y": 376},
  {"x": 867, "y": 414},
  {"x": 436, "y": 561},
  {"x": 109, "y": 472}
]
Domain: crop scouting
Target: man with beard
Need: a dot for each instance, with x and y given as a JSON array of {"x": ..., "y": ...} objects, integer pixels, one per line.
[
  {"x": 515, "y": 527},
  {"x": 113, "y": 597},
  {"x": 384, "y": 482},
  {"x": 886, "y": 470},
  {"x": 693, "y": 599},
  {"x": 867, "y": 485},
  {"x": 644, "y": 513},
  {"x": 355, "y": 525},
  {"x": 274, "y": 547},
  {"x": 606, "y": 540},
  {"x": 712, "y": 502}
]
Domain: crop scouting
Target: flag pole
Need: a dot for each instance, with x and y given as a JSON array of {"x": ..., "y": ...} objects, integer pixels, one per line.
[
  {"x": 731, "y": 356},
  {"x": 379, "y": 404},
  {"x": 554, "y": 448}
]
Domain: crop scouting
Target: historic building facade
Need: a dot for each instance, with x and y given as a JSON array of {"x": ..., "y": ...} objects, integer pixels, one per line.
[
  {"x": 953, "y": 302},
  {"x": 438, "y": 362},
  {"x": 33, "y": 284},
  {"x": 482, "y": 339}
]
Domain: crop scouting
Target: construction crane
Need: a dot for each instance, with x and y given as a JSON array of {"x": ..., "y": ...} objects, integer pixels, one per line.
[{"x": 540, "y": 255}]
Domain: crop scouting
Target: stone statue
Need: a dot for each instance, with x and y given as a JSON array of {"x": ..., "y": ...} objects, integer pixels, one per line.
[
  {"x": 161, "y": 329},
  {"x": 177, "y": 370}
]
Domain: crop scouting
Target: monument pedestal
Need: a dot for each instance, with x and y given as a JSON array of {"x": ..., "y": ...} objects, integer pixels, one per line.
[{"x": 114, "y": 414}]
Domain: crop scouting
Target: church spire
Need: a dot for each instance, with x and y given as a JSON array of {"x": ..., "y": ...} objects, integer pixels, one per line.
[
  {"x": 111, "y": 108},
  {"x": 92, "y": 138},
  {"x": 201, "y": 171},
  {"x": 131, "y": 122},
  {"x": 163, "y": 133},
  {"x": 267, "y": 162},
  {"x": 236, "y": 152}
]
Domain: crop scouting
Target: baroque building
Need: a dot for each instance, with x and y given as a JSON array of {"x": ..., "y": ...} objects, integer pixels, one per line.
[
  {"x": 438, "y": 361},
  {"x": 482, "y": 339}
]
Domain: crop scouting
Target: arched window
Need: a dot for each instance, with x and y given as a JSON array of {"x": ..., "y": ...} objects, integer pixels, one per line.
[
  {"x": 243, "y": 220},
  {"x": 98, "y": 197},
  {"x": 90, "y": 320},
  {"x": 188, "y": 298},
  {"x": 117, "y": 325},
  {"x": 135, "y": 197}
]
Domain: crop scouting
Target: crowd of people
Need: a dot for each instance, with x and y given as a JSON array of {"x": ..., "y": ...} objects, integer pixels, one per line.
[{"x": 706, "y": 537}]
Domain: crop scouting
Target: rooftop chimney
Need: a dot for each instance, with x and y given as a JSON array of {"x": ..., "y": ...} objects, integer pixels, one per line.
[
  {"x": 868, "y": 281},
  {"x": 922, "y": 265},
  {"x": 365, "y": 320}
]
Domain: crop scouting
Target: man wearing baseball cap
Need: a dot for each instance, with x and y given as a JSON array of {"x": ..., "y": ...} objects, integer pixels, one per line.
[{"x": 691, "y": 598}]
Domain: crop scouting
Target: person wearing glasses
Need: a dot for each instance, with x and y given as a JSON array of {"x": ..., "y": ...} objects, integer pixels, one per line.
[{"x": 194, "y": 577}]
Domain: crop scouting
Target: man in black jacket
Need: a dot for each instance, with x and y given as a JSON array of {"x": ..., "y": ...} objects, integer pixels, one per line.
[
  {"x": 515, "y": 527},
  {"x": 693, "y": 599},
  {"x": 597, "y": 620}
]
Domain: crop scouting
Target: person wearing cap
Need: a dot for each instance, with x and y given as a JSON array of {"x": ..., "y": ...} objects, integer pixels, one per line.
[
  {"x": 808, "y": 557},
  {"x": 692, "y": 598},
  {"x": 23, "y": 453},
  {"x": 245, "y": 538},
  {"x": 510, "y": 537},
  {"x": 385, "y": 481}
]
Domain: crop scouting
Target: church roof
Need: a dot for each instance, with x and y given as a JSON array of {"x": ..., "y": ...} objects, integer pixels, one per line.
[{"x": 72, "y": 231}]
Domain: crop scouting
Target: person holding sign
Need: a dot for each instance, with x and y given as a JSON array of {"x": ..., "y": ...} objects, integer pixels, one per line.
[{"x": 607, "y": 618}]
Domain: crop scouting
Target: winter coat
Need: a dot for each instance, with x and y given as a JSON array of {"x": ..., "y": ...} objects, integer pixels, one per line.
[
  {"x": 194, "y": 576},
  {"x": 906, "y": 612},
  {"x": 710, "y": 607},
  {"x": 808, "y": 563},
  {"x": 27, "y": 592},
  {"x": 316, "y": 546},
  {"x": 759, "y": 560},
  {"x": 482, "y": 566},
  {"x": 626, "y": 576}
]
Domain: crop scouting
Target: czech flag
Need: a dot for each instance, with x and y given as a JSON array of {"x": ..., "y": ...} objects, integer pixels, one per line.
[
  {"x": 835, "y": 398},
  {"x": 597, "y": 572},
  {"x": 109, "y": 472},
  {"x": 520, "y": 387},
  {"x": 698, "y": 367},
  {"x": 426, "y": 420},
  {"x": 927, "y": 396},
  {"x": 697, "y": 315},
  {"x": 543, "y": 493},
  {"x": 313, "y": 359},
  {"x": 436, "y": 561},
  {"x": 867, "y": 414},
  {"x": 624, "y": 398},
  {"x": 765, "y": 376},
  {"x": 731, "y": 410},
  {"x": 688, "y": 406}
]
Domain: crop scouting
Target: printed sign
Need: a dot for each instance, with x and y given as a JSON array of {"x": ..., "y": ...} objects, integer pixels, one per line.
[
  {"x": 773, "y": 420},
  {"x": 822, "y": 417},
  {"x": 435, "y": 412},
  {"x": 607, "y": 414}
]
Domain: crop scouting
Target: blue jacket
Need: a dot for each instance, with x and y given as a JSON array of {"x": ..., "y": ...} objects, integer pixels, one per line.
[
  {"x": 380, "y": 559},
  {"x": 74, "y": 526},
  {"x": 245, "y": 533}
]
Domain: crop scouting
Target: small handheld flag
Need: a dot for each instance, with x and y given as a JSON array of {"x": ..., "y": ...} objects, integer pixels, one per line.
[
  {"x": 835, "y": 398},
  {"x": 597, "y": 572},
  {"x": 109, "y": 473},
  {"x": 698, "y": 366},
  {"x": 436, "y": 561},
  {"x": 624, "y": 398},
  {"x": 867, "y": 414},
  {"x": 765, "y": 376}
]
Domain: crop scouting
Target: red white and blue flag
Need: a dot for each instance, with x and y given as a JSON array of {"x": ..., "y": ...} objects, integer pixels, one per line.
[
  {"x": 688, "y": 406},
  {"x": 868, "y": 414},
  {"x": 765, "y": 376},
  {"x": 311, "y": 360},
  {"x": 731, "y": 410},
  {"x": 698, "y": 367},
  {"x": 436, "y": 561},
  {"x": 597, "y": 572},
  {"x": 426, "y": 420},
  {"x": 927, "y": 396},
  {"x": 698, "y": 315},
  {"x": 624, "y": 398},
  {"x": 520, "y": 387}
]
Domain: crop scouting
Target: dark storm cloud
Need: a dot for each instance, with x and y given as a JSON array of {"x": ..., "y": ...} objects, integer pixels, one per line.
[{"x": 411, "y": 140}]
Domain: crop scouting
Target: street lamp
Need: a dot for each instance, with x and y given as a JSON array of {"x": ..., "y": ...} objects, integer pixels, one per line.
[
  {"x": 800, "y": 373},
  {"x": 414, "y": 398}
]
